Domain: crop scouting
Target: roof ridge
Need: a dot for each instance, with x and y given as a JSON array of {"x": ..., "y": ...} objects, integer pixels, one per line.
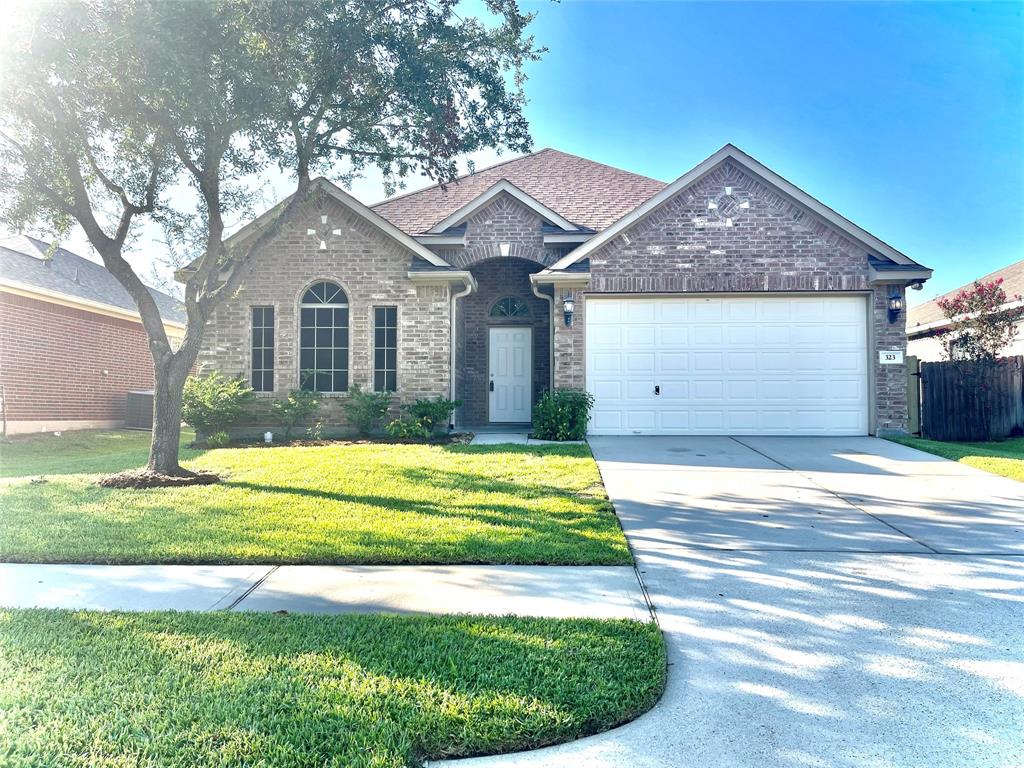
[
  {"x": 592, "y": 161},
  {"x": 968, "y": 284},
  {"x": 457, "y": 179}
]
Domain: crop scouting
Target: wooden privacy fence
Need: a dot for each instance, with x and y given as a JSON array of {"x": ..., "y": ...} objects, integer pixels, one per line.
[{"x": 972, "y": 401}]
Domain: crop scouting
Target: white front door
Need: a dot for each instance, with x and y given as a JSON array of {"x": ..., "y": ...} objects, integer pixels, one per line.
[{"x": 511, "y": 374}]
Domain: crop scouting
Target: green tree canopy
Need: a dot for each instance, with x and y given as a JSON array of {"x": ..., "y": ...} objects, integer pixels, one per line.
[{"x": 111, "y": 109}]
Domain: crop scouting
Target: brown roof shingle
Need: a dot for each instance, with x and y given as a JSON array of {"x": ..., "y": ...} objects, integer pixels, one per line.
[
  {"x": 929, "y": 312},
  {"x": 585, "y": 192}
]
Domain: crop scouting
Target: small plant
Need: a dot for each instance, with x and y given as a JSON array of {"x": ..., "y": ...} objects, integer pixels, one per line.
[
  {"x": 213, "y": 403},
  {"x": 432, "y": 414},
  {"x": 562, "y": 414},
  {"x": 219, "y": 440},
  {"x": 366, "y": 411},
  {"x": 407, "y": 429},
  {"x": 295, "y": 409},
  {"x": 316, "y": 430}
]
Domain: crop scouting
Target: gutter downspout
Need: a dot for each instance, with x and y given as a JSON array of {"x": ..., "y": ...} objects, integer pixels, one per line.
[
  {"x": 551, "y": 330},
  {"x": 468, "y": 286}
]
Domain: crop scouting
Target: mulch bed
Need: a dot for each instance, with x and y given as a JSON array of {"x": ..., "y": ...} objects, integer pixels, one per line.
[
  {"x": 459, "y": 438},
  {"x": 146, "y": 478}
]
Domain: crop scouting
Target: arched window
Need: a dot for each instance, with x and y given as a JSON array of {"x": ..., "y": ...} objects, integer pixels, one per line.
[
  {"x": 510, "y": 306},
  {"x": 323, "y": 338}
]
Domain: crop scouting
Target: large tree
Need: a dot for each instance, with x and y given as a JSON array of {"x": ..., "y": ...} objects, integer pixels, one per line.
[{"x": 113, "y": 111}]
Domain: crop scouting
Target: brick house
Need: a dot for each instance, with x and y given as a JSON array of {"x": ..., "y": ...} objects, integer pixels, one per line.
[
  {"x": 728, "y": 301},
  {"x": 71, "y": 341}
]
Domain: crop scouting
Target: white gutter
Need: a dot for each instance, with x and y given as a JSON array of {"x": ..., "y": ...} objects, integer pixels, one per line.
[
  {"x": 551, "y": 331},
  {"x": 470, "y": 286}
]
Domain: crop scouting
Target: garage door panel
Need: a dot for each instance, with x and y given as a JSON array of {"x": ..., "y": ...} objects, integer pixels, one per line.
[
  {"x": 673, "y": 335},
  {"x": 640, "y": 335},
  {"x": 707, "y": 361},
  {"x": 739, "y": 365},
  {"x": 639, "y": 312},
  {"x": 774, "y": 336}
]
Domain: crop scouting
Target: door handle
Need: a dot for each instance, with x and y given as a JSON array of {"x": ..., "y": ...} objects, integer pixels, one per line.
[
  {"x": 657, "y": 389},
  {"x": 490, "y": 386}
]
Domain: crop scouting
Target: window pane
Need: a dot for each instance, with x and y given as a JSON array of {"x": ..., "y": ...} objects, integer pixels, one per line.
[
  {"x": 324, "y": 337},
  {"x": 340, "y": 359},
  {"x": 307, "y": 316},
  {"x": 262, "y": 349},
  {"x": 340, "y": 381},
  {"x": 323, "y": 382},
  {"x": 385, "y": 355},
  {"x": 307, "y": 359}
]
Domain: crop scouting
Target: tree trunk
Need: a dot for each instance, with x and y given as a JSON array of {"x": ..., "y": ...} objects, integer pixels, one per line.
[{"x": 169, "y": 380}]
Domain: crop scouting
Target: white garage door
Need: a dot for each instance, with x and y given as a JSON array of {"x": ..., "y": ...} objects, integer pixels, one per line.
[{"x": 739, "y": 365}]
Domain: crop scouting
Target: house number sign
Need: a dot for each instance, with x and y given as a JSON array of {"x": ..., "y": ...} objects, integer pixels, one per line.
[{"x": 890, "y": 357}]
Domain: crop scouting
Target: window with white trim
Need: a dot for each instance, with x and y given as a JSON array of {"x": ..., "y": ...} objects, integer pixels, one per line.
[
  {"x": 385, "y": 349},
  {"x": 323, "y": 338},
  {"x": 262, "y": 349}
]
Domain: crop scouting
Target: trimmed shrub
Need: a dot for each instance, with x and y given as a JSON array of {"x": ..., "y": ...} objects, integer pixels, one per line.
[
  {"x": 219, "y": 440},
  {"x": 213, "y": 403},
  {"x": 295, "y": 409},
  {"x": 434, "y": 414},
  {"x": 366, "y": 411},
  {"x": 405, "y": 429},
  {"x": 562, "y": 414}
]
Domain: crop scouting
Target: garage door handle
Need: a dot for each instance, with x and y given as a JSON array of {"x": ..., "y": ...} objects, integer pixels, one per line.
[{"x": 657, "y": 389}]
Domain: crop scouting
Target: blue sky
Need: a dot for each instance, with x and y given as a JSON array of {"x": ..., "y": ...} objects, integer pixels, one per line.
[{"x": 906, "y": 118}]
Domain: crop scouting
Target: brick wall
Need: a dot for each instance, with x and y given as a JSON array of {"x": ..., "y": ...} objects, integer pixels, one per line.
[
  {"x": 66, "y": 367},
  {"x": 497, "y": 278},
  {"x": 771, "y": 244},
  {"x": 372, "y": 268}
]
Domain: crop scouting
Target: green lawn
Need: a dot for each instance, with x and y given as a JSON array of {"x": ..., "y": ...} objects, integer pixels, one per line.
[
  {"x": 100, "y": 690},
  {"x": 1005, "y": 458},
  {"x": 339, "y": 503}
]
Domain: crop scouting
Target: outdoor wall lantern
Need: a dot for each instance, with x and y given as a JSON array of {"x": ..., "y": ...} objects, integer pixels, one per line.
[
  {"x": 567, "y": 308},
  {"x": 895, "y": 307}
]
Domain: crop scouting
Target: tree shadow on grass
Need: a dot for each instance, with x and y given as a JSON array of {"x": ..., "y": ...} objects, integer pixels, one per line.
[{"x": 347, "y": 690}]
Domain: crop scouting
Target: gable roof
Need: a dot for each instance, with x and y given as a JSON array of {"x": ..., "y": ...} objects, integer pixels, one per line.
[
  {"x": 507, "y": 187},
  {"x": 930, "y": 314},
  {"x": 24, "y": 264},
  {"x": 254, "y": 227},
  {"x": 343, "y": 197},
  {"x": 745, "y": 161},
  {"x": 587, "y": 193}
]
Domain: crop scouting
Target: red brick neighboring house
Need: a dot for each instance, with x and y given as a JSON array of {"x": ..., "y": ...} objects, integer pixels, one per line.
[{"x": 71, "y": 342}]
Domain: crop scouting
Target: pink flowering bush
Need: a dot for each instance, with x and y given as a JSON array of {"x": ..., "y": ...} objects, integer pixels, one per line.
[{"x": 980, "y": 328}]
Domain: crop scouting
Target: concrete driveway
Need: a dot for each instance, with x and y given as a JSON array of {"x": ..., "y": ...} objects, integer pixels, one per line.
[{"x": 826, "y": 602}]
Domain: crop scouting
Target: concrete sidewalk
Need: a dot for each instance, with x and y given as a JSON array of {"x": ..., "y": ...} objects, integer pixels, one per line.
[{"x": 555, "y": 591}]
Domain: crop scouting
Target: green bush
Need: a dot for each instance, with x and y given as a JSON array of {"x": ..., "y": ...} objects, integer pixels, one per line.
[
  {"x": 213, "y": 403},
  {"x": 562, "y": 414},
  {"x": 366, "y": 411},
  {"x": 434, "y": 414},
  {"x": 295, "y": 409},
  {"x": 219, "y": 440},
  {"x": 406, "y": 429}
]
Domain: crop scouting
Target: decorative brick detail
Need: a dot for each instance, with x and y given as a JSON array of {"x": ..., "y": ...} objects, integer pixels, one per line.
[
  {"x": 770, "y": 245},
  {"x": 504, "y": 221},
  {"x": 496, "y": 279},
  {"x": 61, "y": 364},
  {"x": 773, "y": 245},
  {"x": 372, "y": 268}
]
